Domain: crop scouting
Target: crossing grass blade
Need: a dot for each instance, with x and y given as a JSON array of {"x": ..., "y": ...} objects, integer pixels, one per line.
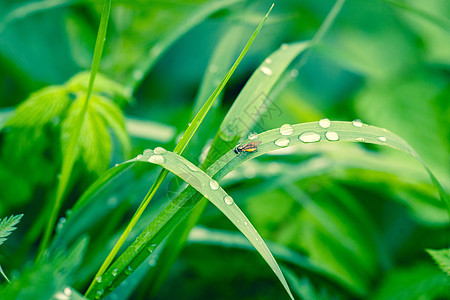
[
  {"x": 186, "y": 137},
  {"x": 275, "y": 139},
  {"x": 70, "y": 152}
]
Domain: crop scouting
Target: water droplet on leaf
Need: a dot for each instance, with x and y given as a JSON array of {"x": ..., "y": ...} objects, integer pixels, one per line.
[
  {"x": 382, "y": 139},
  {"x": 228, "y": 200},
  {"x": 325, "y": 123},
  {"x": 252, "y": 136},
  {"x": 332, "y": 136},
  {"x": 266, "y": 70},
  {"x": 357, "y": 123},
  {"x": 157, "y": 159},
  {"x": 309, "y": 137},
  {"x": 282, "y": 142},
  {"x": 213, "y": 184},
  {"x": 286, "y": 129},
  {"x": 159, "y": 150}
]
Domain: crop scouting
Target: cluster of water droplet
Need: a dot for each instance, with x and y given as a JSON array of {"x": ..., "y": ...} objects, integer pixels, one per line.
[{"x": 312, "y": 137}]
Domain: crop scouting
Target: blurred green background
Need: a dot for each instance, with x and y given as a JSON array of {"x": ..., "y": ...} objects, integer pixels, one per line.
[{"x": 364, "y": 213}]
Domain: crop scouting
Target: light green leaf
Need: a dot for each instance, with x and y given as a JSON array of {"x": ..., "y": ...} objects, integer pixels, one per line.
[
  {"x": 442, "y": 258},
  {"x": 7, "y": 226}
]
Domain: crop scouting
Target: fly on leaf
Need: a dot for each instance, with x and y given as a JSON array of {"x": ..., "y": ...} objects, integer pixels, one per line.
[{"x": 247, "y": 148}]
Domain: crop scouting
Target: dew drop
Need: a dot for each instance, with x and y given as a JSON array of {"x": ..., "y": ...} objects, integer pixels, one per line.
[
  {"x": 129, "y": 270},
  {"x": 99, "y": 294},
  {"x": 309, "y": 137},
  {"x": 332, "y": 136},
  {"x": 148, "y": 152},
  {"x": 192, "y": 167},
  {"x": 152, "y": 262},
  {"x": 61, "y": 223},
  {"x": 252, "y": 136},
  {"x": 160, "y": 150},
  {"x": 213, "y": 184},
  {"x": 228, "y": 200},
  {"x": 266, "y": 70},
  {"x": 357, "y": 123},
  {"x": 360, "y": 139},
  {"x": 268, "y": 60},
  {"x": 286, "y": 129},
  {"x": 116, "y": 165},
  {"x": 115, "y": 272},
  {"x": 382, "y": 139},
  {"x": 157, "y": 159},
  {"x": 138, "y": 74},
  {"x": 325, "y": 123},
  {"x": 60, "y": 296},
  {"x": 245, "y": 223},
  {"x": 152, "y": 247},
  {"x": 139, "y": 156},
  {"x": 98, "y": 279},
  {"x": 128, "y": 91},
  {"x": 67, "y": 291},
  {"x": 68, "y": 212},
  {"x": 294, "y": 73},
  {"x": 282, "y": 142}
]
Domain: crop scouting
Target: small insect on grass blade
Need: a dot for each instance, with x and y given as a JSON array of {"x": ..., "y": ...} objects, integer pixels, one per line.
[{"x": 247, "y": 148}]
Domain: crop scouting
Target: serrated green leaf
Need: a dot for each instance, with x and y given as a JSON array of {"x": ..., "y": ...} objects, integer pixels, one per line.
[
  {"x": 7, "y": 226},
  {"x": 102, "y": 86},
  {"x": 41, "y": 108},
  {"x": 52, "y": 275},
  {"x": 442, "y": 258},
  {"x": 94, "y": 144}
]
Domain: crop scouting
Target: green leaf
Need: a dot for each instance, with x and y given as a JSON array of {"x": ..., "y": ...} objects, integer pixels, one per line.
[
  {"x": 94, "y": 144},
  {"x": 442, "y": 258},
  {"x": 7, "y": 226},
  {"x": 41, "y": 108}
]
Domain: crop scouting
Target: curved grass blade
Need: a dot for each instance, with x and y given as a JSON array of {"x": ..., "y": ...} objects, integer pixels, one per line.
[
  {"x": 313, "y": 132},
  {"x": 178, "y": 149},
  {"x": 70, "y": 153},
  {"x": 178, "y": 237},
  {"x": 211, "y": 190},
  {"x": 220, "y": 61}
]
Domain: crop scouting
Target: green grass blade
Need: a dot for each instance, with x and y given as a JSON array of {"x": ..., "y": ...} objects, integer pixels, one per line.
[
  {"x": 211, "y": 190},
  {"x": 70, "y": 153},
  {"x": 178, "y": 149},
  {"x": 178, "y": 237}
]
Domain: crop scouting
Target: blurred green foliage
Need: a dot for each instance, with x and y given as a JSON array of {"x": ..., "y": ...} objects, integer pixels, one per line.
[{"x": 365, "y": 214}]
